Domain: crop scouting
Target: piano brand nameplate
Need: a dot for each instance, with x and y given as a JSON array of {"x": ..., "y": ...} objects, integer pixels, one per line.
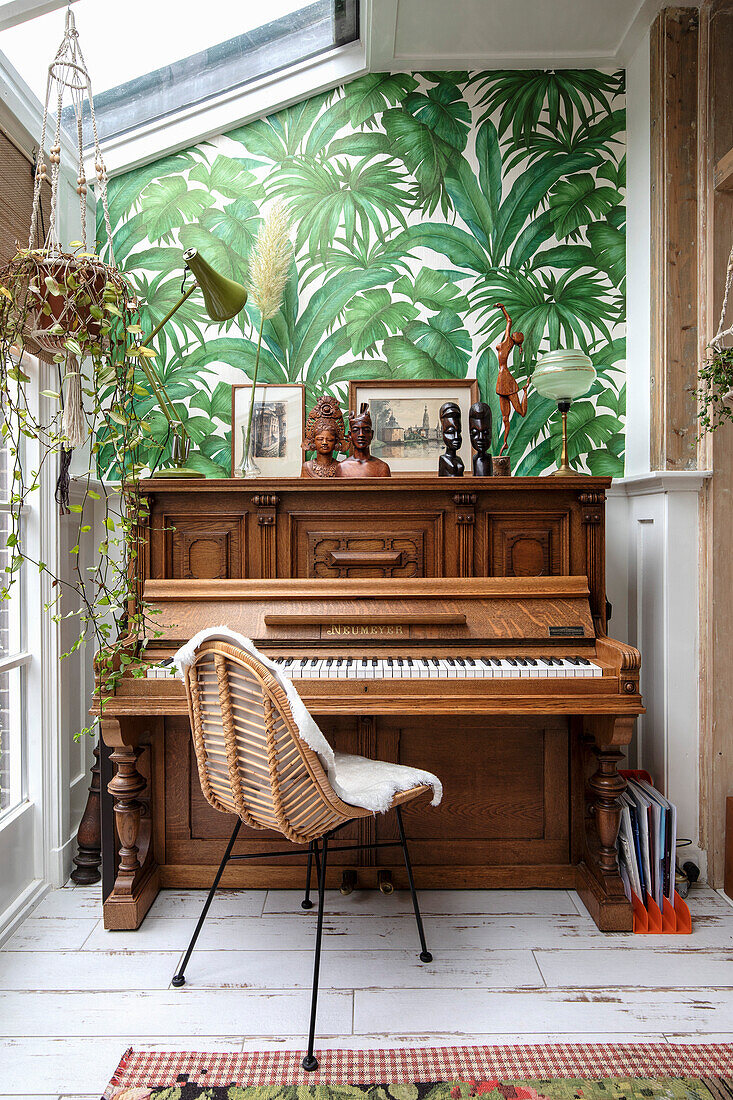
[
  {"x": 365, "y": 630},
  {"x": 566, "y": 632}
]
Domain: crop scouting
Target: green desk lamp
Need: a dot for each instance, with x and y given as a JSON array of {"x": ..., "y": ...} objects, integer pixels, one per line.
[
  {"x": 223, "y": 299},
  {"x": 563, "y": 376}
]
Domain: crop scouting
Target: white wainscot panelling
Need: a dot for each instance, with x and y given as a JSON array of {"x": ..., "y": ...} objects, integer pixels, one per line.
[{"x": 653, "y": 555}]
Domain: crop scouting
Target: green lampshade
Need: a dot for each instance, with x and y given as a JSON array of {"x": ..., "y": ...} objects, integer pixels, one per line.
[
  {"x": 223, "y": 297},
  {"x": 563, "y": 375}
]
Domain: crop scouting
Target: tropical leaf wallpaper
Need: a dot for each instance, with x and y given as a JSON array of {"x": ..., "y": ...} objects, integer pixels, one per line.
[{"x": 418, "y": 202}]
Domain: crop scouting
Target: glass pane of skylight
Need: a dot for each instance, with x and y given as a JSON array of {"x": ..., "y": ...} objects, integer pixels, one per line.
[{"x": 156, "y": 57}]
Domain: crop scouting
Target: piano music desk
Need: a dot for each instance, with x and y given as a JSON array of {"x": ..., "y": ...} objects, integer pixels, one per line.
[{"x": 496, "y": 583}]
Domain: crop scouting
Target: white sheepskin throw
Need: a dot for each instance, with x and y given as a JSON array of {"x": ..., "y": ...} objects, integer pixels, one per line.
[{"x": 368, "y": 784}]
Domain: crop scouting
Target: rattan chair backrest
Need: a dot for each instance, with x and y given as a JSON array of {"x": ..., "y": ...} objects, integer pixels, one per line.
[{"x": 251, "y": 759}]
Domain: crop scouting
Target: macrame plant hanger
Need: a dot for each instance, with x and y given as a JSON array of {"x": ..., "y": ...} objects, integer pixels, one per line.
[{"x": 68, "y": 70}]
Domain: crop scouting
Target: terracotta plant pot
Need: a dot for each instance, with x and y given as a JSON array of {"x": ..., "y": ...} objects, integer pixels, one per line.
[{"x": 73, "y": 314}]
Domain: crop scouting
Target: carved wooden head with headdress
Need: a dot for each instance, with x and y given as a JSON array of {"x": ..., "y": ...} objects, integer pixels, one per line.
[{"x": 324, "y": 434}]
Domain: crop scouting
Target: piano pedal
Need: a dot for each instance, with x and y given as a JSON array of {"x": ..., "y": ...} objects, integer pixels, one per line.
[
  {"x": 348, "y": 883},
  {"x": 384, "y": 882}
]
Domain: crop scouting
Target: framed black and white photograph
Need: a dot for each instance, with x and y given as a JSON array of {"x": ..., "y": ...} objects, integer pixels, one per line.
[
  {"x": 278, "y": 422},
  {"x": 407, "y": 433}
]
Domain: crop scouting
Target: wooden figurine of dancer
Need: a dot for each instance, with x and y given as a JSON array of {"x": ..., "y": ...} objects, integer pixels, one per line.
[{"x": 507, "y": 387}]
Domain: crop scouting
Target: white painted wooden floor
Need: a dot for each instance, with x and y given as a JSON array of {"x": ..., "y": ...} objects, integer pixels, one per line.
[{"x": 510, "y": 966}]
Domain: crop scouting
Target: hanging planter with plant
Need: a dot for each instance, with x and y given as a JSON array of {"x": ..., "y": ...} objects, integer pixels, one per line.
[{"x": 67, "y": 304}]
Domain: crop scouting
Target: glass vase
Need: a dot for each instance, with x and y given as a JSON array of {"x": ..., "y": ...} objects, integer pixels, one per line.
[{"x": 249, "y": 467}]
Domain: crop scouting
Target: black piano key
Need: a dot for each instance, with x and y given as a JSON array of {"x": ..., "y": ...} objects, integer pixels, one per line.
[
  {"x": 374, "y": 662},
  {"x": 329, "y": 662},
  {"x": 521, "y": 661},
  {"x": 470, "y": 662},
  {"x": 495, "y": 661},
  {"x": 435, "y": 661},
  {"x": 425, "y": 662},
  {"x": 531, "y": 661},
  {"x": 485, "y": 661},
  {"x": 584, "y": 660},
  {"x": 389, "y": 661},
  {"x": 573, "y": 660},
  {"x": 557, "y": 661},
  {"x": 409, "y": 662},
  {"x": 450, "y": 661},
  {"x": 511, "y": 661},
  {"x": 460, "y": 661}
]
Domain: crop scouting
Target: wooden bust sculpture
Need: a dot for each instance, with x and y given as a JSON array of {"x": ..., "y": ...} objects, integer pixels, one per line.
[
  {"x": 507, "y": 387},
  {"x": 361, "y": 462},
  {"x": 324, "y": 434},
  {"x": 450, "y": 464},
  {"x": 479, "y": 429}
]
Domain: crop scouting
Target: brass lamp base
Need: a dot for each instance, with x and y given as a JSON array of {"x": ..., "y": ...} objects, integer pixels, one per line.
[
  {"x": 177, "y": 471},
  {"x": 565, "y": 469}
]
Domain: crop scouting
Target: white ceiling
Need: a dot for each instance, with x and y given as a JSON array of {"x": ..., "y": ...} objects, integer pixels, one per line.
[{"x": 466, "y": 34}]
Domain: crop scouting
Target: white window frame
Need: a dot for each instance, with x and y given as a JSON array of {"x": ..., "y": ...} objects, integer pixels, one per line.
[{"x": 19, "y": 659}]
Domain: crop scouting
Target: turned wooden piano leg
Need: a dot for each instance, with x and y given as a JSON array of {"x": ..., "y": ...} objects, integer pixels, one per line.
[
  {"x": 88, "y": 858},
  {"x": 125, "y": 787},
  {"x": 606, "y": 785},
  {"x": 136, "y": 881},
  {"x": 598, "y": 880}
]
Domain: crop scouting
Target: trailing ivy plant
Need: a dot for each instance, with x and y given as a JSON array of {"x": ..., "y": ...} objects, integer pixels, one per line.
[
  {"x": 715, "y": 390},
  {"x": 97, "y": 336}
]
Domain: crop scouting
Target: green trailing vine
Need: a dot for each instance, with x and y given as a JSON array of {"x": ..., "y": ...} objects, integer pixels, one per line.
[
  {"x": 83, "y": 310},
  {"x": 715, "y": 379}
]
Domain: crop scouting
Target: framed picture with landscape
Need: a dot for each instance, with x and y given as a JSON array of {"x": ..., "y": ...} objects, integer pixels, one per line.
[
  {"x": 405, "y": 420},
  {"x": 278, "y": 424}
]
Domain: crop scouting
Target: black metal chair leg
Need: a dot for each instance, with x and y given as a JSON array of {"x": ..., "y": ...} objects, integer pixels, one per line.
[
  {"x": 425, "y": 955},
  {"x": 178, "y": 978},
  {"x": 310, "y": 1062},
  {"x": 306, "y": 903}
]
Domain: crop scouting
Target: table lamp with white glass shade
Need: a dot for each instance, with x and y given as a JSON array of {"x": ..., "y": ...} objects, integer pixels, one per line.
[{"x": 563, "y": 376}]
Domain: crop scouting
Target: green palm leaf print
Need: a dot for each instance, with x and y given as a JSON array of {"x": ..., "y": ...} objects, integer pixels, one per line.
[{"x": 418, "y": 201}]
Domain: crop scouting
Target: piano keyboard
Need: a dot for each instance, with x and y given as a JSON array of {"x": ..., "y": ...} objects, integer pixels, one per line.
[
  {"x": 435, "y": 668},
  {"x": 418, "y": 668}
]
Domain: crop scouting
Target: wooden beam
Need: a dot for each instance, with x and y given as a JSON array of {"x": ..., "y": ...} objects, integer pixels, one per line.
[
  {"x": 674, "y": 215},
  {"x": 716, "y": 560},
  {"x": 723, "y": 172}
]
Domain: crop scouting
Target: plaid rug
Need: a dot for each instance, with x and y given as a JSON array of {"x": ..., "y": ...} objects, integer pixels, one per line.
[{"x": 558, "y": 1072}]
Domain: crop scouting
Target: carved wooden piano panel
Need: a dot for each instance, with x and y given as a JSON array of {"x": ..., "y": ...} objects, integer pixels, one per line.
[{"x": 530, "y": 771}]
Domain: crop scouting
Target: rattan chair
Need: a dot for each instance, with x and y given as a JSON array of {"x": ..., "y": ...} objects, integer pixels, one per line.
[{"x": 253, "y": 763}]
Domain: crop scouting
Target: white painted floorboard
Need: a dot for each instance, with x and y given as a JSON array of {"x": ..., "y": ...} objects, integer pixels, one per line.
[{"x": 510, "y": 966}]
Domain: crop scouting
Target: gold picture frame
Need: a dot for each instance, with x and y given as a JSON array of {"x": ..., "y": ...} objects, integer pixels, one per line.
[
  {"x": 407, "y": 436},
  {"x": 278, "y": 424}
]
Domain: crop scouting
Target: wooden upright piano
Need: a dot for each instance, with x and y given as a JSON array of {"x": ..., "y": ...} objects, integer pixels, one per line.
[{"x": 459, "y": 626}]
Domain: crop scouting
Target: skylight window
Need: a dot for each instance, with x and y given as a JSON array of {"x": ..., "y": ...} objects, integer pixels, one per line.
[{"x": 157, "y": 58}]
